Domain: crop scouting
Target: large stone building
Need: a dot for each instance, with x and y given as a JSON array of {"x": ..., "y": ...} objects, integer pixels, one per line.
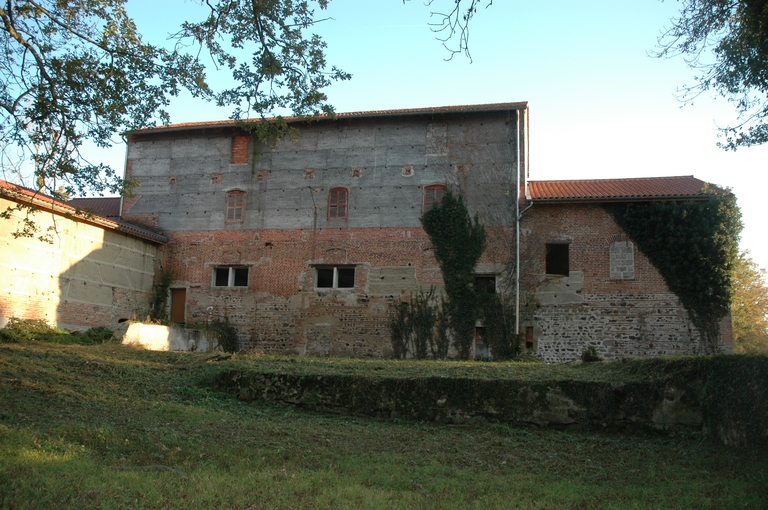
[{"x": 305, "y": 245}]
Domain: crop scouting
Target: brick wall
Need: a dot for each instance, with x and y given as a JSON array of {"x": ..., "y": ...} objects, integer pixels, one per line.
[
  {"x": 281, "y": 310},
  {"x": 621, "y": 317}
]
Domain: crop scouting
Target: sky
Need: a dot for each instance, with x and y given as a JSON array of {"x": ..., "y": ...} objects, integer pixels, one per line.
[{"x": 601, "y": 106}]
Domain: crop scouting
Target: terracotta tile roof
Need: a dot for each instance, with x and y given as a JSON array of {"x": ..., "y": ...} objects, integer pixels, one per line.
[
  {"x": 35, "y": 198},
  {"x": 109, "y": 207},
  {"x": 643, "y": 188},
  {"x": 345, "y": 115}
]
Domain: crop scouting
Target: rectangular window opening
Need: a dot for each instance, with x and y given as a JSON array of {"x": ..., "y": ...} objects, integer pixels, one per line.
[
  {"x": 235, "y": 203},
  {"x": 485, "y": 284},
  {"x": 557, "y": 259},
  {"x": 337, "y": 204},
  {"x": 336, "y": 277},
  {"x": 230, "y": 276},
  {"x": 433, "y": 195}
]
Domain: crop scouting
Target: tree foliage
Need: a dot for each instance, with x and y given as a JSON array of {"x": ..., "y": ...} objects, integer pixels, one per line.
[
  {"x": 694, "y": 245},
  {"x": 726, "y": 41},
  {"x": 458, "y": 241},
  {"x": 749, "y": 309},
  {"x": 78, "y": 70}
]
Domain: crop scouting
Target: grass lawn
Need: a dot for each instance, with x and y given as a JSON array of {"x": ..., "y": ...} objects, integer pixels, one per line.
[{"x": 109, "y": 426}]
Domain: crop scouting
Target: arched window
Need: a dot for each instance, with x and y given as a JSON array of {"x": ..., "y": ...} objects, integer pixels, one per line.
[
  {"x": 433, "y": 195},
  {"x": 235, "y": 207},
  {"x": 338, "y": 204}
]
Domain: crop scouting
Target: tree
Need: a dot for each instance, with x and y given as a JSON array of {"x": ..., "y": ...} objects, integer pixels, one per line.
[
  {"x": 78, "y": 70},
  {"x": 749, "y": 309},
  {"x": 736, "y": 32}
]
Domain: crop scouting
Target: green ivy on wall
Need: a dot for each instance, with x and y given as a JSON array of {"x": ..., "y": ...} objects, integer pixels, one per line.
[
  {"x": 694, "y": 245},
  {"x": 458, "y": 241}
]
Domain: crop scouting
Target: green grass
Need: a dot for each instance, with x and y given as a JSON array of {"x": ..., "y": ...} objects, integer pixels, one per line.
[{"x": 108, "y": 426}]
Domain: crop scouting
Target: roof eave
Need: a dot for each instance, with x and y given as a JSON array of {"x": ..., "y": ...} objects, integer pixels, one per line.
[
  {"x": 602, "y": 200},
  {"x": 44, "y": 202},
  {"x": 233, "y": 124}
]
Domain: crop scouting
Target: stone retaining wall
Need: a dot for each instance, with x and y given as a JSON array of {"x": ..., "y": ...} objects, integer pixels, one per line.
[{"x": 696, "y": 398}]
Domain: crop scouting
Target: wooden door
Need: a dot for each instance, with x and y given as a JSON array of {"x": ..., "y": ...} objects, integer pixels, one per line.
[{"x": 178, "y": 305}]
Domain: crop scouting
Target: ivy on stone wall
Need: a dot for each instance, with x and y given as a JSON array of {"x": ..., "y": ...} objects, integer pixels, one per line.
[
  {"x": 497, "y": 313},
  {"x": 414, "y": 327},
  {"x": 158, "y": 307},
  {"x": 694, "y": 245},
  {"x": 458, "y": 241}
]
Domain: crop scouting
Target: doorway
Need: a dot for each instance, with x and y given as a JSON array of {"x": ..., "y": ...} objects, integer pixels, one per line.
[{"x": 178, "y": 305}]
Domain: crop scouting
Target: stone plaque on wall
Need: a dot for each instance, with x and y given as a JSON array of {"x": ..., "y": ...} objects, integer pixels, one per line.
[{"x": 622, "y": 260}]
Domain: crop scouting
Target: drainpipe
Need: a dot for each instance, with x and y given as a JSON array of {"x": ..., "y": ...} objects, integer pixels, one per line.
[{"x": 517, "y": 227}]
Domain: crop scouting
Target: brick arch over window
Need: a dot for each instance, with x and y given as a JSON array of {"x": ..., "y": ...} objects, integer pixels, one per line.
[
  {"x": 433, "y": 195},
  {"x": 338, "y": 203},
  {"x": 235, "y": 206}
]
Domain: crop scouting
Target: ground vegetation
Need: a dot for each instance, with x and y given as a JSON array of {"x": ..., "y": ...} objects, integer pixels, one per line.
[{"x": 110, "y": 426}]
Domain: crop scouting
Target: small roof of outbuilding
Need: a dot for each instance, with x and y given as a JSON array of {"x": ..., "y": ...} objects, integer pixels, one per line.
[
  {"x": 44, "y": 202},
  {"x": 618, "y": 190}
]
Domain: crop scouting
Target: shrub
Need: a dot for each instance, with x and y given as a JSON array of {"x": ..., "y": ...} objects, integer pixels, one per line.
[
  {"x": 227, "y": 334},
  {"x": 26, "y": 330},
  {"x": 590, "y": 354}
]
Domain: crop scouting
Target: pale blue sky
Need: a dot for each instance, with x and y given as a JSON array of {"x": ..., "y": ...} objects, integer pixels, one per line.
[{"x": 600, "y": 106}]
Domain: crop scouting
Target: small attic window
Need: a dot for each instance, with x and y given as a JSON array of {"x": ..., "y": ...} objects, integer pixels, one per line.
[{"x": 557, "y": 259}]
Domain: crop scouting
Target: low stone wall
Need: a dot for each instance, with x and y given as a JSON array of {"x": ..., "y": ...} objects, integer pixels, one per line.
[
  {"x": 695, "y": 399},
  {"x": 456, "y": 401},
  {"x": 166, "y": 338}
]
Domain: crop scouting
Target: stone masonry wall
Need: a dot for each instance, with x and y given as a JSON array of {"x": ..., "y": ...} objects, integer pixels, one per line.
[{"x": 624, "y": 313}]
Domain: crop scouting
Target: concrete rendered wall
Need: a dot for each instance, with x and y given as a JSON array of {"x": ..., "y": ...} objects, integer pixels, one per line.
[
  {"x": 622, "y": 313},
  {"x": 87, "y": 277},
  {"x": 385, "y": 163}
]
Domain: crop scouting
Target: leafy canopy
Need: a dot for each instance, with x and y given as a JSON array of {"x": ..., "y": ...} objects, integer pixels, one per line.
[
  {"x": 749, "y": 309},
  {"x": 73, "y": 71},
  {"x": 727, "y": 42}
]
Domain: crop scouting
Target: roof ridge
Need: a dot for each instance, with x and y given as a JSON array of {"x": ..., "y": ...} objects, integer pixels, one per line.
[{"x": 344, "y": 115}]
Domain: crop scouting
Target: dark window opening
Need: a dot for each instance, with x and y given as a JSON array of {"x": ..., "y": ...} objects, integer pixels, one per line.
[
  {"x": 230, "y": 277},
  {"x": 240, "y": 276},
  {"x": 335, "y": 277},
  {"x": 325, "y": 277},
  {"x": 346, "y": 277},
  {"x": 485, "y": 284},
  {"x": 557, "y": 259},
  {"x": 529, "y": 337},
  {"x": 222, "y": 277}
]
